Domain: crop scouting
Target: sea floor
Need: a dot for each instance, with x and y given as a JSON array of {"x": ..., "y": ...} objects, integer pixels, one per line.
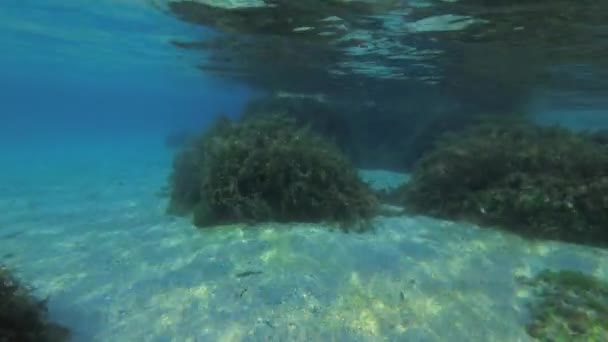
[{"x": 85, "y": 226}]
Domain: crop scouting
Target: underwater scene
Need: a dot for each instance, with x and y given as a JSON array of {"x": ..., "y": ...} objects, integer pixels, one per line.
[{"x": 311, "y": 170}]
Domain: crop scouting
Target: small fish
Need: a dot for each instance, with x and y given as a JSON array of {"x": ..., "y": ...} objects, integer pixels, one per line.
[{"x": 247, "y": 274}]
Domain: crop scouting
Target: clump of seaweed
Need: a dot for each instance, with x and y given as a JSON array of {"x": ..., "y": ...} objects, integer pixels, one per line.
[
  {"x": 266, "y": 169},
  {"x": 543, "y": 182},
  {"x": 570, "y": 306},
  {"x": 23, "y": 318}
]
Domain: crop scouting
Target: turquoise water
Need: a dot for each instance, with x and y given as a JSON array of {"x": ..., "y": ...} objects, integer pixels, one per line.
[{"x": 91, "y": 91}]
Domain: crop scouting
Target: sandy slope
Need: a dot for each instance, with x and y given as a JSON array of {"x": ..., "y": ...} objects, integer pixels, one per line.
[{"x": 91, "y": 234}]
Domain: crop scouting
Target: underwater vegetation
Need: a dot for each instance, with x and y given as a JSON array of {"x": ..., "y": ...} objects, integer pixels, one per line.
[
  {"x": 266, "y": 169},
  {"x": 23, "y": 318},
  {"x": 347, "y": 128},
  {"x": 570, "y": 306},
  {"x": 542, "y": 182}
]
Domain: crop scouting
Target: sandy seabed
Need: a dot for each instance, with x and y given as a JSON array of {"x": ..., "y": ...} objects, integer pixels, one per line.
[{"x": 86, "y": 228}]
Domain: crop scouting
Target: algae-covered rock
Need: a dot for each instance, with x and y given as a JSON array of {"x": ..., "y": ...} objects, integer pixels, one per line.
[
  {"x": 570, "y": 306},
  {"x": 538, "y": 181},
  {"x": 266, "y": 169},
  {"x": 23, "y": 318}
]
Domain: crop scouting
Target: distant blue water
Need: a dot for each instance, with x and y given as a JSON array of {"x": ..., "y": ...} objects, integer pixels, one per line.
[{"x": 78, "y": 71}]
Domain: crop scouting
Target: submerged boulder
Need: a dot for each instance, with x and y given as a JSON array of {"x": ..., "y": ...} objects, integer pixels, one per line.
[
  {"x": 23, "y": 318},
  {"x": 266, "y": 169},
  {"x": 537, "y": 181}
]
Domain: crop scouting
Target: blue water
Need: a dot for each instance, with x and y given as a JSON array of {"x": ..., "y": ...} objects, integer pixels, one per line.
[
  {"x": 73, "y": 70},
  {"x": 89, "y": 92}
]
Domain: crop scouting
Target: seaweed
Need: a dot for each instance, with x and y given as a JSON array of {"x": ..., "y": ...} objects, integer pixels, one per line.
[
  {"x": 266, "y": 169},
  {"x": 23, "y": 318},
  {"x": 544, "y": 182},
  {"x": 570, "y": 306}
]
